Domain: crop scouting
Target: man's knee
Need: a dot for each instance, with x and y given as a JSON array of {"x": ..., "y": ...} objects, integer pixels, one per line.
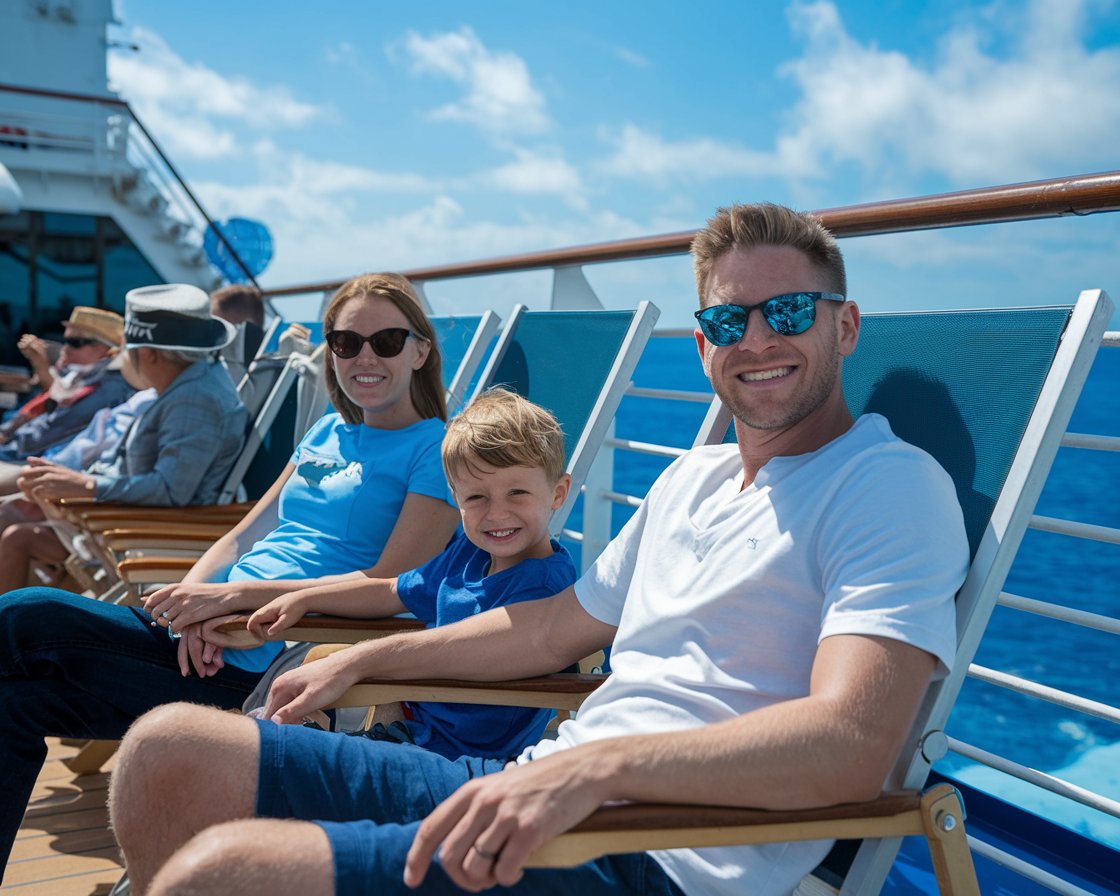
[
  {"x": 249, "y": 856},
  {"x": 179, "y": 752},
  {"x": 210, "y": 862}
]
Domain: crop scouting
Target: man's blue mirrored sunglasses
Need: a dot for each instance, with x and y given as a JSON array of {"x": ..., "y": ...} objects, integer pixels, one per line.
[{"x": 787, "y": 315}]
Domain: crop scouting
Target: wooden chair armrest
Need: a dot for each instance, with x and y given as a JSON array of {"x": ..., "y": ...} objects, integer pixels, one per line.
[
  {"x": 120, "y": 540},
  {"x": 563, "y": 690},
  {"x": 937, "y": 814},
  {"x": 638, "y": 827},
  {"x": 154, "y": 570},
  {"x": 127, "y": 515},
  {"x": 328, "y": 629}
]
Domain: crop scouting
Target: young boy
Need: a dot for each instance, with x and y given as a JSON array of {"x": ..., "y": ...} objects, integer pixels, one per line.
[{"x": 504, "y": 460}]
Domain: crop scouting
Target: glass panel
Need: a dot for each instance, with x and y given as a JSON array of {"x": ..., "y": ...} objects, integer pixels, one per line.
[
  {"x": 65, "y": 269},
  {"x": 124, "y": 268},
  {"x": 15, "y": 286}
]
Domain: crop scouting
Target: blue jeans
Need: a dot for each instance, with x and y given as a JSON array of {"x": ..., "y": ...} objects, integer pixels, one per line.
[
  {"x": 75, "y": 667},
  {"x": 370, "y": 796}
]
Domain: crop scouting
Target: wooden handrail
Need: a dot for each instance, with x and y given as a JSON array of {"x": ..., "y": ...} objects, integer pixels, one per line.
[{"x": 1076, "y": 195}]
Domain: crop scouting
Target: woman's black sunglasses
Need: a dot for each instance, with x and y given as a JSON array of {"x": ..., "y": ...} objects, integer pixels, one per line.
[{"x": 385, "y": 343}]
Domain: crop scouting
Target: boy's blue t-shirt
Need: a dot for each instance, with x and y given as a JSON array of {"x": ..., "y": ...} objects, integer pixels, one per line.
[
  {"x": 454, "y": 586},
  {"x": 339, "y": 506}
]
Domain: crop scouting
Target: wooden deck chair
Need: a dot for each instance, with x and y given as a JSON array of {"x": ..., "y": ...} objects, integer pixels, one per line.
[
  {"x": 578, "y": 365},
  {"x": 987, "y": 393}
]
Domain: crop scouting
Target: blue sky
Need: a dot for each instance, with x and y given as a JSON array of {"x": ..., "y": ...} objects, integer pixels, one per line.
[{"x": 379, "y": 136}]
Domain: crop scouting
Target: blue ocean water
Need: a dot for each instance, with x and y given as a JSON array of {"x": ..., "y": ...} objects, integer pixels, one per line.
[{"x": 1077, "y": 573}]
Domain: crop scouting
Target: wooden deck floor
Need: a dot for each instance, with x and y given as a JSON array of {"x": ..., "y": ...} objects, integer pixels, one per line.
[{"x": 64, "y": 847}]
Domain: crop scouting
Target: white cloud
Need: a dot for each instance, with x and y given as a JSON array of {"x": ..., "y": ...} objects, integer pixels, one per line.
[
  {"x": 532, "y": 174},
  {"x": 640, "y": 154},
  {"x": 631, "y": 57},
  {"x": 1048, "y": 105},
  {"x": 185, "y": 103},
  {"x": 499, "y": 96},
  {"x": 968, "y": 115}
]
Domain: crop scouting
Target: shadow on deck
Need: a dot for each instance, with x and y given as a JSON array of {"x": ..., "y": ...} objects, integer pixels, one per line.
[{"x": 64, "y": 847}]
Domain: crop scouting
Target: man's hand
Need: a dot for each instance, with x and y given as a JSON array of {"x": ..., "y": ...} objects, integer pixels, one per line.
[
  {"x": 44, "y": 480},
  {"x": 313, "y": 686},
  {"x": 488, "y": 828},
  {"x": 187, "y": 603},
  {"x": 34, "y": 349},
  {"x": 277, "y": 615}
]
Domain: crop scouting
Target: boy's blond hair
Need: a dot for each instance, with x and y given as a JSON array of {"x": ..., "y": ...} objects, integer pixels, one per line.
[{"x": 502, "y": 429}]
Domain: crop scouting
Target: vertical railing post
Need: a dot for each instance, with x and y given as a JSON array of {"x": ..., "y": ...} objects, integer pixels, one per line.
[{"x": 596, "y": 507}]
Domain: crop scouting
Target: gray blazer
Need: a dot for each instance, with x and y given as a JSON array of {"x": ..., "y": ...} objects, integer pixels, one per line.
[{"x": 180, "y": 450}]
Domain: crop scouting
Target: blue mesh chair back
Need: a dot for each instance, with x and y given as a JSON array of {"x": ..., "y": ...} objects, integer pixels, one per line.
[
  {"x": 560, "y": 360},
  {"x": 270, "y": 435},
  {"x": 454, "y": 335},
  {"x": 961, "y": 385},
  {"x": 576, "y": 364}
]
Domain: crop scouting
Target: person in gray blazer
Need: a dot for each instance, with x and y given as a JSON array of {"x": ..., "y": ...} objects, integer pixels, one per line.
[{"x": 178, "y": 452}]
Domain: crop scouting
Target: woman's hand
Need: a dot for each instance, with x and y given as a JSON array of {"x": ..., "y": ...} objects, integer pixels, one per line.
[
  {"x": 187, "y": 603},
  {"x": 194, "y": 651}
]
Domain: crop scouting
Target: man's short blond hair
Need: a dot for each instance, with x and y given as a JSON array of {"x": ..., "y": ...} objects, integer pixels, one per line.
[{"x": 502, "y": 429}]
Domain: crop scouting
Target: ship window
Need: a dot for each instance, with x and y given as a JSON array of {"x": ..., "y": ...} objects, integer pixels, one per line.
[{"x": 51, "y": 261}]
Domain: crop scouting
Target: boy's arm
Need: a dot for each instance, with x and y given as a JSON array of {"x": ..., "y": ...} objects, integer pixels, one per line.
[
  {"x": 354, "y": 598},
  {"x": 516, "y": 641}
]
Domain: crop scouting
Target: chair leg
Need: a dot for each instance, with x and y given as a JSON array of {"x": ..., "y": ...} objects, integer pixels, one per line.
[
  {"x": 94, "y": 754},
  {"x": 943, "y": 820}
]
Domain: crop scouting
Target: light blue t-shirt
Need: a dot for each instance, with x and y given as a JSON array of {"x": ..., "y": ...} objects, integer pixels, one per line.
[
  {"x": 454, "y": 586},
  {"x": 340, "y": 504}
]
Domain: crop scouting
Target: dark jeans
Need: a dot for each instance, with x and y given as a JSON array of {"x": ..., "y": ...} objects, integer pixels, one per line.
[{"x": 71, "y": 666}]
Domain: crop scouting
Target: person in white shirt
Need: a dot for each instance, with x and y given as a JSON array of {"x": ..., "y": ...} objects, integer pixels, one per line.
[{"x": 776, "y": 610}]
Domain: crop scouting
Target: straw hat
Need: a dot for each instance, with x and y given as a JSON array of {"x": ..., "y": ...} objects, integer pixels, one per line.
[
  {"x": 98, "y": 323},
  {"x": 173, "y": 316}
]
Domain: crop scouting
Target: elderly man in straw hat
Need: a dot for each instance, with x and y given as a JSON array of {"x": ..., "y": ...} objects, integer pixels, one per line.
[
  {"x": 182, "y": 447},
  {"x": 82, "y": 382}
]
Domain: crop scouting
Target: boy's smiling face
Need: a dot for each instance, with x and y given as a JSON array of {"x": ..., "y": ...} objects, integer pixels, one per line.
[{"x": 506, "y": 510}]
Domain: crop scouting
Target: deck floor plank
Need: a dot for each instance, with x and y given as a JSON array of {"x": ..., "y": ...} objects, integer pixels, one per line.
[{"x": 64, "y": 847}]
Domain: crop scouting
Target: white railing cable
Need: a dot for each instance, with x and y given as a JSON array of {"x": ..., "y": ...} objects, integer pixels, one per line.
[
  {"x": 670, "y": 394},
  {"x": 620, "y": 498},
  {"x": 644, "y": 448},
  {"x": 1077, "y": 530},
  {"x": 1047, "y": 782},
  {"x": 1043, "y": 692},
  {"x": 1025, "y": 869},
  {"x": 1093, "y": 443},
  {"x": 1082, "y": 618}
]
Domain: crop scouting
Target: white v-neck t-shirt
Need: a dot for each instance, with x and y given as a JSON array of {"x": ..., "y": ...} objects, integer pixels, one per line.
[{"x": 721, "y": 595}]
